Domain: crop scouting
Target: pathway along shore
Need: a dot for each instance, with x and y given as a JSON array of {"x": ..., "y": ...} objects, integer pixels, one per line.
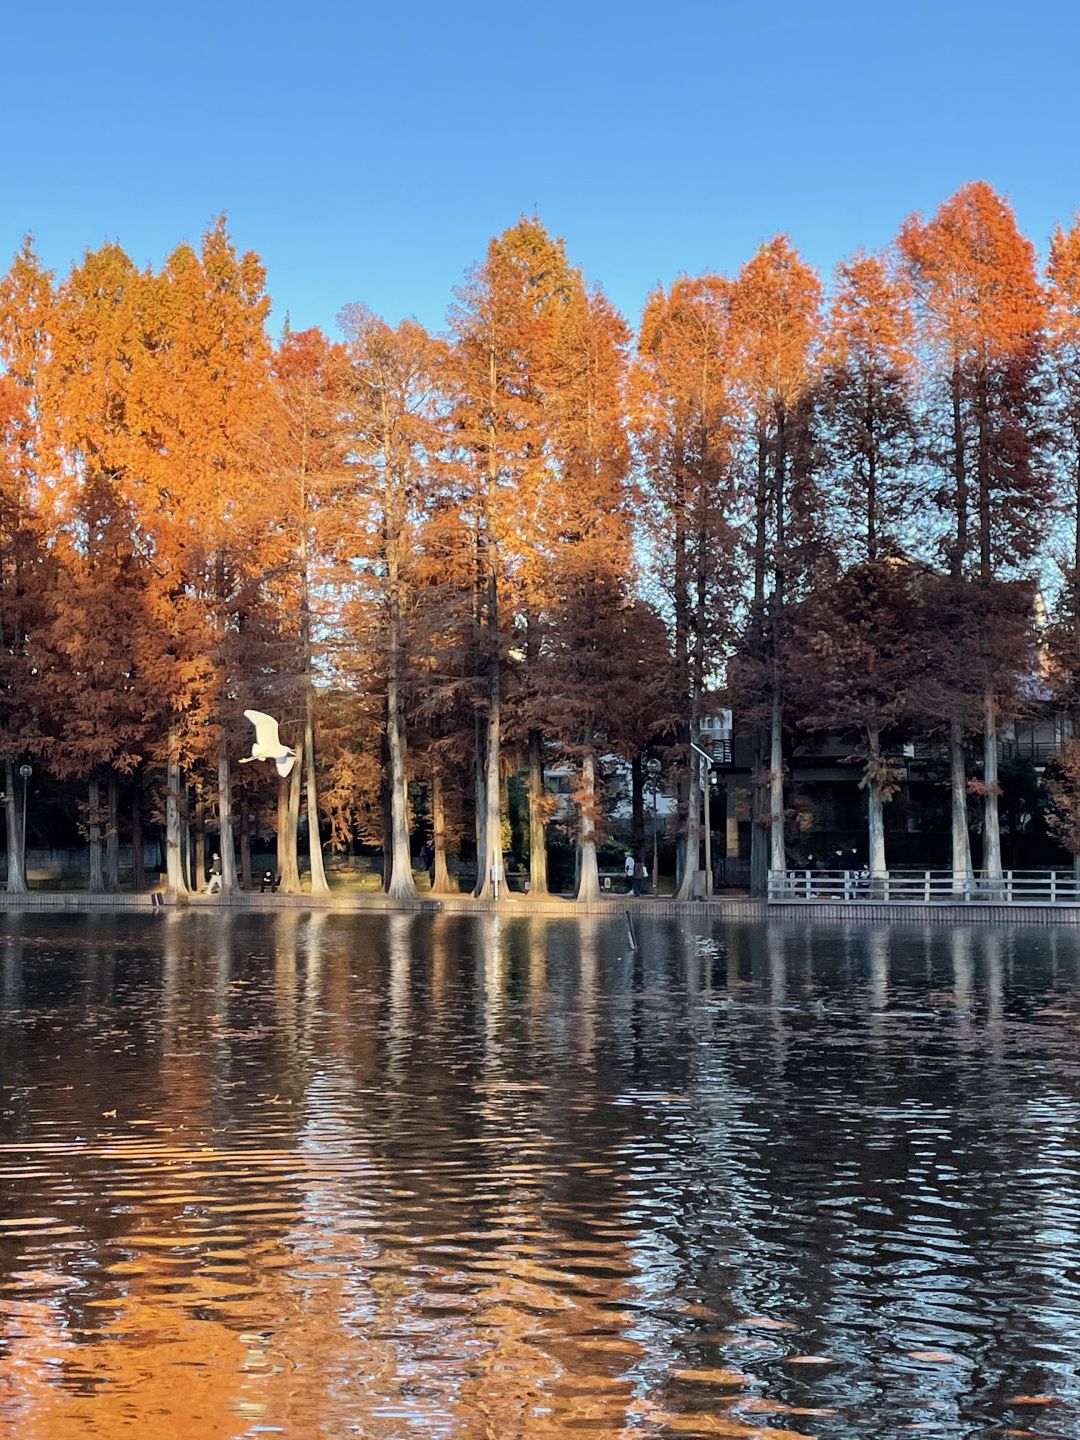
[{"x": 725, "y": 907}]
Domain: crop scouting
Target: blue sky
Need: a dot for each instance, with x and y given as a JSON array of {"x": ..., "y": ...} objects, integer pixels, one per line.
[{"x": 368, "y": 151}]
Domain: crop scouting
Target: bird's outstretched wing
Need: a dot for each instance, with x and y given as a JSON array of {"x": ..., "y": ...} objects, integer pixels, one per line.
[{"x": 266, "y": 730}]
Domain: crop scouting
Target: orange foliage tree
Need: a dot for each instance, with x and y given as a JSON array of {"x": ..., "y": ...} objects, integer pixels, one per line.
[
  {"x": 26, "y": 569},
  {"x": 436, "y": 557},
  {"x": 500, "y": 335},
  {"x": 982, "y": 314},
  {"x": 687, "y": 420},
  {"x": 395, "y": 439},
  {"x": 776, "y": 303}
]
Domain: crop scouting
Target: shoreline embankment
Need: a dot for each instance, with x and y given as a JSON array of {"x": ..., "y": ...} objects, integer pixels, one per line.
[{"x": 724, "y": 907}]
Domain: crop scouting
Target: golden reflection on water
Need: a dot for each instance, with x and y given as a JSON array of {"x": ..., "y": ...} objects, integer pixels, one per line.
[{"x": 323, "y": 1176}]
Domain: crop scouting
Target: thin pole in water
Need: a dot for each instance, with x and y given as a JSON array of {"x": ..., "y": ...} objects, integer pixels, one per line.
[{"x": 630, "y": 931}]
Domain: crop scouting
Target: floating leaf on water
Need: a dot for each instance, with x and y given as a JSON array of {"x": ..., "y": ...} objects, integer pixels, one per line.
[
  {"x": 764, "y": 1322},
  {"x": 937, "y": 1357},
  {"x": 1033, "y": 1400},
  {"x": 811, "y": 1360}
]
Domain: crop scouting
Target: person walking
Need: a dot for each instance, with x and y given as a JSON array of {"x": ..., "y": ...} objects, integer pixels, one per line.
[
  {"x": 629, "y": 869},
  {"x": 639, "y": 877}
]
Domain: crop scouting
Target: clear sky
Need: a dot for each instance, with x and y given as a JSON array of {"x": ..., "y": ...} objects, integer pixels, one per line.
[{"x": 368, "y": 150}]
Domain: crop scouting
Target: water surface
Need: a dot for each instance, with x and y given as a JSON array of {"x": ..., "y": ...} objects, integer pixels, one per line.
[{"x": 452, "y": 1176}]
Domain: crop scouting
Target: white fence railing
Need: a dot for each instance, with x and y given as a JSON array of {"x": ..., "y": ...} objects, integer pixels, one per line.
[{"x": 923, "y": 887}]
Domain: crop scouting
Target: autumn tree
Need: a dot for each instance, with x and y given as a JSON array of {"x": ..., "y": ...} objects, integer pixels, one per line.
[
  {"x": 592, "y": 674},
  {"x": 445, "y": 718},
  {"x": 94, "y": 638},
  {"x": 648, "y": 705},
  {"x": 865, "y": 401},
  {"x": 1063, "y": 789},
  {"x": 394, "y": 422},
  {"x": 857, "y": 665},
  {"x": 216, "y": 516},
  {"x": 587, "y": 666},
  {"x": 687, "y": 418},
  {"x": 982, "y": 315},
  {"x": 776, "y": 303},
  {"x": 500, "y": 342},
  {"x": 303, "y": 449},
  {"x": 1063, "y": 293},
  {"x": 26, "y": 301}
]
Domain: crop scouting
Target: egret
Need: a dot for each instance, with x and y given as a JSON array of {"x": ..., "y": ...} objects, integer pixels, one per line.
[{"x": 268, "y": 744}]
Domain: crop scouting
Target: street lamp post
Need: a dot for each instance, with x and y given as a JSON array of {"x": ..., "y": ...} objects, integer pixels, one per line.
[{"x": 653, "y": 767}]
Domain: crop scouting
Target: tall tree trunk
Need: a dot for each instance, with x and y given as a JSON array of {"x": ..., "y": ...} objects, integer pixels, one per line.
[
  {"x": 281, "y": 827},
  {"x": 290, "y": 878},
  {"x": 96, "y": 883},
  {"x": 245, "y": 843},
  {"x": 227, "y": 841},
  {"x": 538, "y": 867},
  {"x": 961, "y": 840},
  {"x": 288, "y": 827},
  {"x": 777, "y": 851},
  {"x": 875, "y": 809},
  {"x": 759, "y": 795},
  {"x": 315, "y": 851},
  {"x": 991, "y": 817},
  {"x": 637, "y": 806},
  {"x": 492, "y": 779},
  {"x": 189, "y": 843},
  {"x": 199, "y": 881},
  {"x": 480, "y": 802},
  {"x": 959, "y": 475},
  {"x": 871, "y": 492},
  {"x": 138, "y": 853},
  {"x": 175, "y": 883},
  {"x": 385, "y": 812},
  {"x": 319, "y": 885},
  {"x": 440, "y": 883},
  {"x": 588, "y": 887},
  {"x": 402, "y": 885},
  {"x": 692, "y": 854},
  {"x": 759, "y": 818},
  {"x": 16, "y": 840},
  {"x": 112, "y": 831}
]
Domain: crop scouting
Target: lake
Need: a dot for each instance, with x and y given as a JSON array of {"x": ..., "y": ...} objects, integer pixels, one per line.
[{"x": 326, "y": 1175}]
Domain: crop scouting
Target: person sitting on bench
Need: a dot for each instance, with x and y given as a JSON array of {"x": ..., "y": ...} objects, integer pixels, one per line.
[{"x": 269, "y": 880}]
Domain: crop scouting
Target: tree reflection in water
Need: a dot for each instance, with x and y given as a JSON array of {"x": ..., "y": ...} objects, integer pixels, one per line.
[{"x": 464, "y": 1176}]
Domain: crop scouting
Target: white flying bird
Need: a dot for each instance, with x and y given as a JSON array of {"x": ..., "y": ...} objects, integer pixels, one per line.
[{"x": 268, "y": 744}]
